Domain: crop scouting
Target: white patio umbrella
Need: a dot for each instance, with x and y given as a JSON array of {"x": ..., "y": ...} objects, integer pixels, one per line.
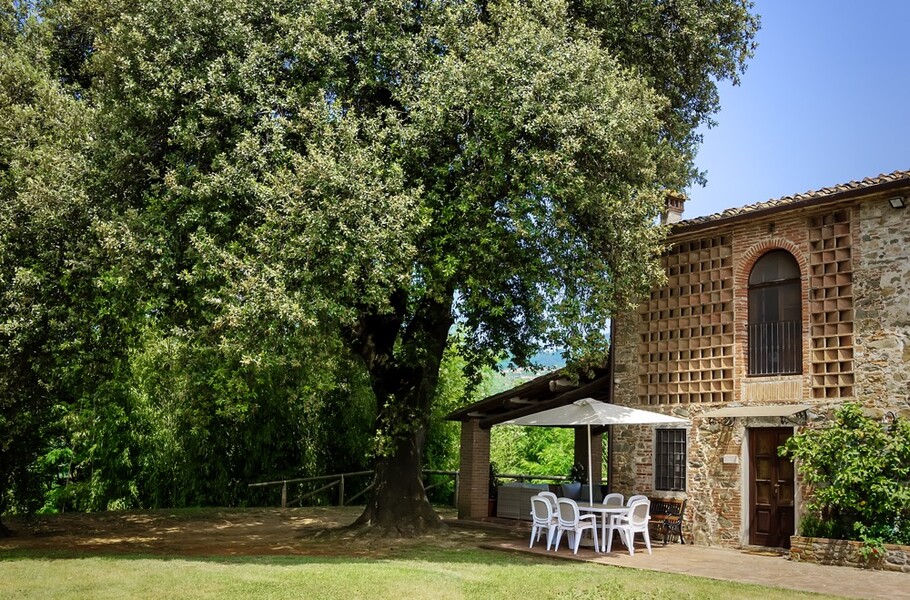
[{"x": 589, "y": 411}]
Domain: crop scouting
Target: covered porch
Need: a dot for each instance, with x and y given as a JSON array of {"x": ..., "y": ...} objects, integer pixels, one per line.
[{"x": 548, "y": 391}]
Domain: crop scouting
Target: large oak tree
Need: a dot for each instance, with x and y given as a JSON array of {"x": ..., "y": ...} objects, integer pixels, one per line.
[{"x": 395, "y": 176}]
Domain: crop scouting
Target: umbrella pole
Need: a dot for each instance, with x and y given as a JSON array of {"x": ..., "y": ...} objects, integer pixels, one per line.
[{"x": 590, "y": 474}]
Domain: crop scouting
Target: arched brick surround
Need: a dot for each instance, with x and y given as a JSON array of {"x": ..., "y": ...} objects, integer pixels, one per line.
[{"x": 759, "y": 249}]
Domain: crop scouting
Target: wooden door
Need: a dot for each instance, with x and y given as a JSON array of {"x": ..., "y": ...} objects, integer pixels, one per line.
[{"x": 771, "y": 517}]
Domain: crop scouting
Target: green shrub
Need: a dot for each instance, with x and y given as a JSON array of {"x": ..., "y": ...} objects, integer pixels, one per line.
[
  {"x": 811, "y": 525},
  {"x": 859, "y": 469}
]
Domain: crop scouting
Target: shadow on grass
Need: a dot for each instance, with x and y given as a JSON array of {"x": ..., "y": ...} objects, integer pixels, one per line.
[
  {"x": 262, "y": 534},
  {"x": 476, "y": 556}
]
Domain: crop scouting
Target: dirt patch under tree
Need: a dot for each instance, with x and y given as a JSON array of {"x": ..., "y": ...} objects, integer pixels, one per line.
[{"x": 311, "y": 531}]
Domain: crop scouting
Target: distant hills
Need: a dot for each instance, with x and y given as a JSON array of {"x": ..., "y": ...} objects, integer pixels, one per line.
[
  {"x": 548, "y": 361},
  {"x": 512, "y": 377}
]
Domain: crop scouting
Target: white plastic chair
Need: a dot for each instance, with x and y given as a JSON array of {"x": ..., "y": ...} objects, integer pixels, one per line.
[
  {"x": 569, "y": 519},
  {"x": 635, "y": 522},
  {"x": 614, "y": 499},
  {"x": 543, "y": 516},
  {"x": 635, "y": 498},
  {"x": 553, "y": 499}
]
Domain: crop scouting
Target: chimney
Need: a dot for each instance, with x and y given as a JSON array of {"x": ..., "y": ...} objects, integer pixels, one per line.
[{"x": 673, "y": 208}]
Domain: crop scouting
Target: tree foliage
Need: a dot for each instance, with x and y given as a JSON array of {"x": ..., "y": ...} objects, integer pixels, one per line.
[
  {"x": 859, "y": 471},
  {"x": 50, "y": 241},
  {"x": 533, "y": 450},
  {"x": 273, "y": 204}
]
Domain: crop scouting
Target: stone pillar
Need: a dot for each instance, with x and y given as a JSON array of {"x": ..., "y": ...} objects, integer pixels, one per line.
[
  {"x": 474, "y": 471},
  {"x": 581, "y": 452}
]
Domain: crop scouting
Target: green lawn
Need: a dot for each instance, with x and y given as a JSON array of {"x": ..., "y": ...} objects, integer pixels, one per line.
[{"x": 417, "y": 573}]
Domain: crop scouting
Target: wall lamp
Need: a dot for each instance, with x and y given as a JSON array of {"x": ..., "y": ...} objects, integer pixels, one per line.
[
  {"x": 888, "y": 418},
  {"x": 897, "y": 202},
  {"x": 800, "y": 418}
]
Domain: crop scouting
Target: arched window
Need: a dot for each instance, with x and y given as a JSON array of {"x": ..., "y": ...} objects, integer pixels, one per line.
[{"x": 775, "y": 316}]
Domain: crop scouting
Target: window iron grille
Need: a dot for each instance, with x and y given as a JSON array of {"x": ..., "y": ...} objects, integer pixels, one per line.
[
  {"x": 776, "y": 348},
  {"x": 670, "y": 460}
]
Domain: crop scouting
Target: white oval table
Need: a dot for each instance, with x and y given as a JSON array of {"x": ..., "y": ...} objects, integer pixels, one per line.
[{"x": 607, "y": 516}]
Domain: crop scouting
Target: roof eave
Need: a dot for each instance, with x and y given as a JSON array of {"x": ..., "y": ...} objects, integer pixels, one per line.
[
  {"x": 462, "y": 414},
  {"x": 683, "y": 228}
]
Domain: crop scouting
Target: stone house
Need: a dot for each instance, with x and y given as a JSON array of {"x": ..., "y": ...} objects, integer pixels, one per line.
[{"x": 772, "y": 315}]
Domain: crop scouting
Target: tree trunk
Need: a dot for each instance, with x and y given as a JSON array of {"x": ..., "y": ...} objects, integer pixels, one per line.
[
  {"x": 398, "y": 505},
  {"x": 5, "y": 531},
  {"x": 404, "y": 377}
]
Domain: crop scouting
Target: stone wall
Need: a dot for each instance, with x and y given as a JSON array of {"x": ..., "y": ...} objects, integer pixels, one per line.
[
  {"x": 847, "y": 553},
  {"x": 626, "y": 446},
  {"x": 714, "y": 488},
  {"x": 882, "y": 282}
]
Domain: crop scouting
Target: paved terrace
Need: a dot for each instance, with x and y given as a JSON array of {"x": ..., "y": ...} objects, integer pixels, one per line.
[{"x": 764, "y": 568}]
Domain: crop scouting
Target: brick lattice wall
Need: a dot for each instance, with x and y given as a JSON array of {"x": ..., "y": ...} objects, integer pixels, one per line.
[
  {"x": 831, "y": 305},
  {"x": 686, "y": 327}
]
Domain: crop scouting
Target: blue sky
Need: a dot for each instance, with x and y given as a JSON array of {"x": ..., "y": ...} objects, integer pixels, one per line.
[{"x": 825, "y": 100}]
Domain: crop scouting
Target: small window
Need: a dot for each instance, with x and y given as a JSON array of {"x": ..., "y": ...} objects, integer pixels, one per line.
[
  {"x": 775, "y": 315},
  {"x": 670, "y": 460}
]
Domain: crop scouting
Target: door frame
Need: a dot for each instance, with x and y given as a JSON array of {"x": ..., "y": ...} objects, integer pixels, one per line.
[{"x": 748, "y": 487}]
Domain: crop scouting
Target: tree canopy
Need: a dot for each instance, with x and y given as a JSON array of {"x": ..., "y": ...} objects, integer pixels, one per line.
[{"x": 280, "y": 192}]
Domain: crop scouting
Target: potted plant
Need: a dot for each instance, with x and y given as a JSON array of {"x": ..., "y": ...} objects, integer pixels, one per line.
[
  {"x": 574, "y": 481},
  {"x": 577, "y": 473},
  {"x": 493, "y": 489}
]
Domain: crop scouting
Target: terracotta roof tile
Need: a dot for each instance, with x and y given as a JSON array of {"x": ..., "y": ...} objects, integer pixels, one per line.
[{"x": 805, "y": 196}]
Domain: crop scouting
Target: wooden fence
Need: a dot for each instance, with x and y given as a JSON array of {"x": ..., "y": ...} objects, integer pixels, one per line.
[{"x": 338, "y": 480}]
